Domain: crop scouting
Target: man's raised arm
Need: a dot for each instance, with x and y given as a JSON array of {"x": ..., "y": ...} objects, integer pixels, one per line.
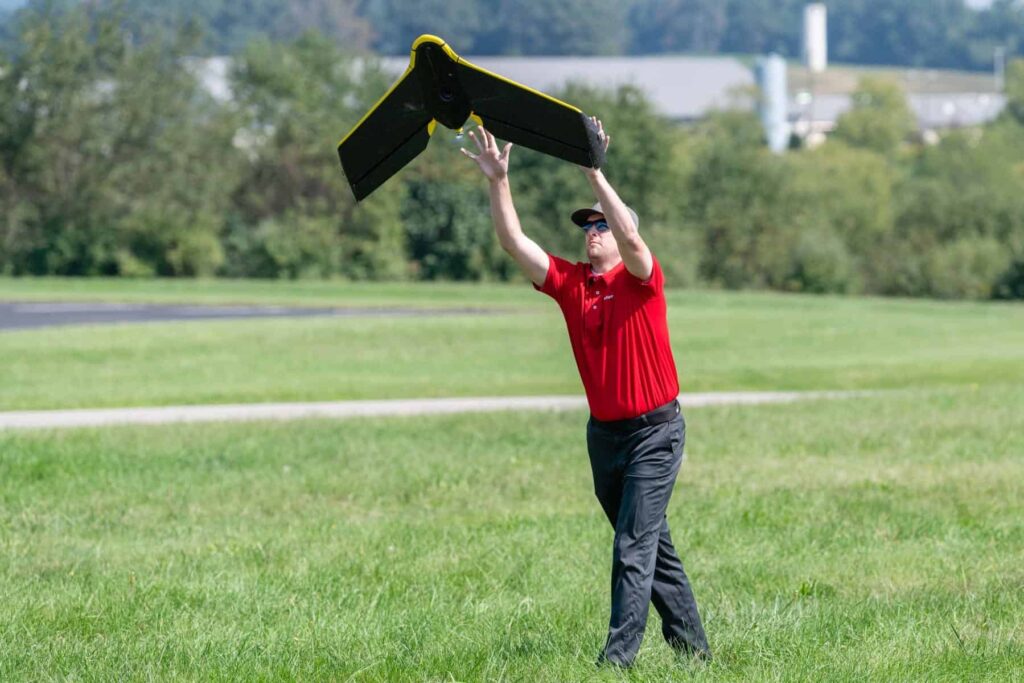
[
  {"x": 634, "y": 251},
  {"x": 494, "y": 165}
]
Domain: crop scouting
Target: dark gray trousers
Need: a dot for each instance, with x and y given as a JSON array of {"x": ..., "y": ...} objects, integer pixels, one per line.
[{"x": 634, "y": 473}]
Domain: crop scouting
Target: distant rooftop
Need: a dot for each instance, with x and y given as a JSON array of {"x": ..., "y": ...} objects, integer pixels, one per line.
[
  {"x": 934, "y": 111},
  {"x": 688, "y": 88},
  {"x": 682, "y": 88}
]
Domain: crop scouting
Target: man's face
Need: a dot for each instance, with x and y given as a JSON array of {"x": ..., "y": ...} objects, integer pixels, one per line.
[{"x": 599, "y": 244}]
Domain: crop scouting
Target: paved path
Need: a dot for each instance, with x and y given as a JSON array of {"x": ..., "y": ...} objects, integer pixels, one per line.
[
  {"x": 26, "y": 315},
  {"x": 49, "y": 419}
]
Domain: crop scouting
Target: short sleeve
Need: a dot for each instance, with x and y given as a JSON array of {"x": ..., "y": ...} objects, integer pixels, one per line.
[
  {"x": 558, "y": 274},
  {"x": 656, "y": 282}
]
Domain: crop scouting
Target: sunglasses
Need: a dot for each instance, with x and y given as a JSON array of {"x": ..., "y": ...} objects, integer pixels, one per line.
[{"x": 600, "y": 226}]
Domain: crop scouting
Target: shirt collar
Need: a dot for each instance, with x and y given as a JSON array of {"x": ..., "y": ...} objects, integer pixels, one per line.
[{"x": 607, "y": 275}]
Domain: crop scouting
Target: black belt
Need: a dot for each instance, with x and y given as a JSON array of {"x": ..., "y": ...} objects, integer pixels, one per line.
[{"x": 652, "y": 417}]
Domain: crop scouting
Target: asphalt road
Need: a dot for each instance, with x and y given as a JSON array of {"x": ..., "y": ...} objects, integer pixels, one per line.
[{"x": 28, "y": 315}]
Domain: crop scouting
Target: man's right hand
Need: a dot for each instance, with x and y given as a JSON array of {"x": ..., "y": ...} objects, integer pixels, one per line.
[{"x": 492, "y": 162}]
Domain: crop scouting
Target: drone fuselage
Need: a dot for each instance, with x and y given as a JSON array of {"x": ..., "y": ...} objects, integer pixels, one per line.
[{"x": 443, "y": 95}]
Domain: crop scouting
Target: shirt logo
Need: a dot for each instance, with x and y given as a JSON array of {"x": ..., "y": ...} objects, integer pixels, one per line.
[{"x": 609, "y": 297}]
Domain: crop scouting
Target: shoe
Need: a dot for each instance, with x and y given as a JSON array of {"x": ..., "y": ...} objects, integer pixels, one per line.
[
  {"x": 684, "y": 649},
  {"x": 603, "y": 661}
]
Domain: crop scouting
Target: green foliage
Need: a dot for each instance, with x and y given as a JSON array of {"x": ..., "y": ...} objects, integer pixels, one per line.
[
  {"x": 114, "y": 161},
  {"x": 98, "y": 168},
  {"x": 761, "y": 26},
  {"x": 821, "y": 264},
  {"x": 559, "y": 27},
  {"x": 879, "y": 119},
  {"x": 449, "y": 233},
  {"x": 1015, "y": 89},
  {"x": 920, "y": 33},
  {"x": 372, "y": 239},
  {"x": 733, "y": 198},
  {"x": 961, "y": 208},
  {"x": 923, "y": 33},
  {"x": 966, "y": 268},
  {"x": 562, "y": 27},
  {"x": 292, "y": 245},
  {"x": 396, "y": 23},
  {"x": 1010, "y": 284},
  {"x": 906, "y": 32},
  {"x": 842, "y": 196},
  {"x": 678, "y": 25},
  {"x": 292, "y": 98},
  {"x": 229, "y": 26}
]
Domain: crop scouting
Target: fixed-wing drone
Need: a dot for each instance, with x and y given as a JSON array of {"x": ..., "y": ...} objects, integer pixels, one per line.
[{"x": 441, "y": 87}]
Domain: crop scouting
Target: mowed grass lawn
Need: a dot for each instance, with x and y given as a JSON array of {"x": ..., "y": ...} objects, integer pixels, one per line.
[
  {"x": 872, "y": 539},
  {"x": 723, "y": 341},
  {"x": 877, "y": 538}
]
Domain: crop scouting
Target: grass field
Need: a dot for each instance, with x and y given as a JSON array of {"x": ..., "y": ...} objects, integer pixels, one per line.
[
  {"x": 878, "y": 538},
  {"x": 278, "y": 292},
  {"x": 857, "y": 540},
  {"x": 723, "y": 341}
]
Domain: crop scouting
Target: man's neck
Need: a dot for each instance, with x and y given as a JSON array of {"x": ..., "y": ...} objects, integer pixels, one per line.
[{"x": 602, "y": 266}]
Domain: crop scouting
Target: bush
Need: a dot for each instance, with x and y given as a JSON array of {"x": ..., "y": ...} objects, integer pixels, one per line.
[
  {"x": 293, "y": 246},
  {"x": 448, "y": 231},
  {"x": 1010, "y": 284},
  {"x": 821, "y": 264},
  {"x": 965, "y": 269},
  {"x": 678, "y": 250}
]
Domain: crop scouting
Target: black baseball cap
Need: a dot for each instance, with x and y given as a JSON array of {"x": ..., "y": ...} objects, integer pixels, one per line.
[{"x": 580, "y": 216}]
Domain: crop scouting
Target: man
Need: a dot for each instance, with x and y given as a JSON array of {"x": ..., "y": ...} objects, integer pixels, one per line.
[{"x": 614, "y": 308}]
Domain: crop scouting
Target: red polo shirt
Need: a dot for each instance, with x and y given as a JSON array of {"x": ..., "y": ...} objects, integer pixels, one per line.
[{"x": 619, "y": 335}]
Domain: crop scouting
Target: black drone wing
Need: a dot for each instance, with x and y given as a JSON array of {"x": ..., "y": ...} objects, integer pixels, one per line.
[
  {"x": 442, "y": 87},
  {"x": 527, "y": 117},
  {"x": 391, "y": 135}
]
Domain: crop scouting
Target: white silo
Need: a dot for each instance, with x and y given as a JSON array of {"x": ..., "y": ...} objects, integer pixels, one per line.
[
  {"x": 773, "y": 106},
  {"x": 816, "y": 37}
]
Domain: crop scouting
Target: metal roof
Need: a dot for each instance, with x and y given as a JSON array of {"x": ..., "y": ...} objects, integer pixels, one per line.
[
  {"x": 933, "y": 111},
  {"x": 678, "y": 87}
]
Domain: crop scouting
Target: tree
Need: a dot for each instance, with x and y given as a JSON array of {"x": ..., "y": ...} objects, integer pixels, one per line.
[
  {"x": 1000, "y": 25},
  {"x": 296, "y": 214},
  {"x": 879, "y": 118},
  {"x": 397, "y": 23},
  {"x": 959, "y": 215},
  {"x": 677, "y": 25},
  {"x": 553, "y": 27},
  {"x": 1015, "y": 90},
  {"x": 842, "y": 201},
  {"x": 906, "y": 32},
  {"x": 736, "y": 197},
  {"x": 762, "y": 26},
  {"x": 98, "y": 142},
  {"x": 448, "y": 231},
  {"x": 229, "y": 25}
]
